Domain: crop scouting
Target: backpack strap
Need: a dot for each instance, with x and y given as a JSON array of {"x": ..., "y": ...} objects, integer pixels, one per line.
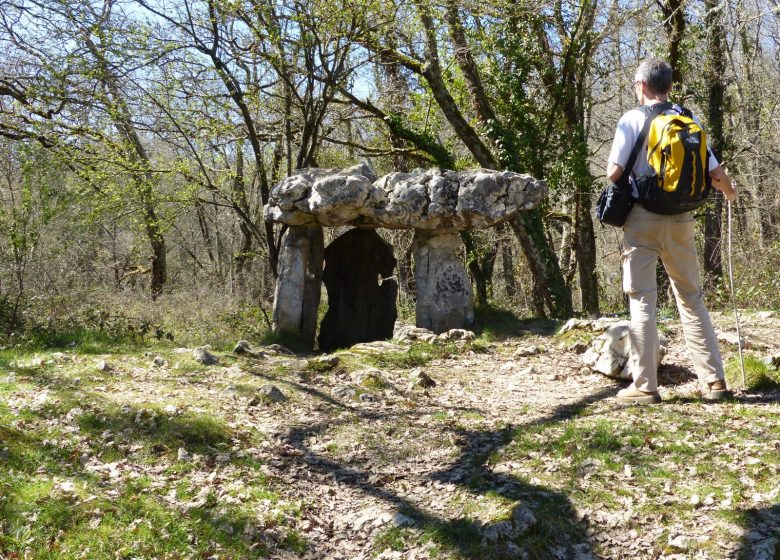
[{"x": 651, "y": 112}]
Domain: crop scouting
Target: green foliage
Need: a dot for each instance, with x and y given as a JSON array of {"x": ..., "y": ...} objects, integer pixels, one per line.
[
  {"x": 89, "y": 325},
  {"x": 758, "y": 374},
  {"x": 426, "y": 142},
  {"x": 418, "y": 355}
]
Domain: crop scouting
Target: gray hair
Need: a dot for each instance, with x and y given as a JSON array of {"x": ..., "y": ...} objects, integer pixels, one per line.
[{"x": 656, "y": 74}]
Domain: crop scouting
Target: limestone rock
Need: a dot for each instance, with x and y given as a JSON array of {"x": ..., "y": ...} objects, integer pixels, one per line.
[
  {"x": 298, "y": 287},
  {"x": 328, "y": 361},
  {"x": 609, "y": 352},
  {"x": 401, "y": 520},
  {"x": 457, "y": 334},
  {"x": 410, "y": 333},
  {"x": 423, "y": 199},
  {"x": 278, "y": 349},
  {"x": 268, "y": 393},
  {"x": 104, "y": 366},
  {"x": 378, "y": 347},
  {"x": 243, "y": 348},
  {"x": 159, "y": 361},
  {"x": 371, "y": 378},
  {"x": 345, "y": 391},
  {"x": 521, "y": 519},
  {"x": 444, "y": 297},
  {"x": 203, "y": 356},
  {"x": 731, "y": 338},
  {"x": 421, "y": 379}
]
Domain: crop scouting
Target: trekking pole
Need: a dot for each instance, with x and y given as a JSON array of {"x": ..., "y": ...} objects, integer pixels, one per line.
[{"x": 734, "y": 302}]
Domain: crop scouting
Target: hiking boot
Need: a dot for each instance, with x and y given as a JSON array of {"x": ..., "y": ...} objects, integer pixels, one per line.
[
  {"x": 633, "y": 395},
  {"x": 716, "y": 391}
]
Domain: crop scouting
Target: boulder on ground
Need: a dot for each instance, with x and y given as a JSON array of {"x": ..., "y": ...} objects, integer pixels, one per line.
[
  {"x": 244, "y": 348},
  {"x": 268, "y": 393},
  {"x": 203, "y": 356},
  {"x": 609, "y": 352}
]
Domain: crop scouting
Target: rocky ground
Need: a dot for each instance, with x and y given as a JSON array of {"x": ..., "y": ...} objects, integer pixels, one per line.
[{"x": 508, "y": 448}]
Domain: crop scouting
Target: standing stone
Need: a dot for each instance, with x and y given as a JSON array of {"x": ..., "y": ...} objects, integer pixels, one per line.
[
  {"x": 361, "y": 294},
  {"x": 297, "y": 294},
  {"x": 444, "y": 298}
]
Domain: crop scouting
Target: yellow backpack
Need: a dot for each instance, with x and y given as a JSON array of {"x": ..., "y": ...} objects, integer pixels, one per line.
[{"x": 679, "y": 178}]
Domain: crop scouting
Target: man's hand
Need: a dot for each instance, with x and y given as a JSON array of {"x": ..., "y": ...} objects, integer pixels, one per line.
[
  {"x": 614, "y": 172},
  {"x": 722, "y": 182}
]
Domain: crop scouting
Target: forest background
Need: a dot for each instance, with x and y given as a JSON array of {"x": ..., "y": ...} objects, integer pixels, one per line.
[{"x": 139, "y": 141}]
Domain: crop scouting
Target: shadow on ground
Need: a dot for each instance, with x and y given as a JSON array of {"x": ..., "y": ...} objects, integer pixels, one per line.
[{"x": 556, "y": 534}]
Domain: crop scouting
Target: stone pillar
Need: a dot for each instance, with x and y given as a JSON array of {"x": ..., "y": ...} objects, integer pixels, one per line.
[
  {"x": 444, "y": 298},
  {"x": 298, "y": 287}
]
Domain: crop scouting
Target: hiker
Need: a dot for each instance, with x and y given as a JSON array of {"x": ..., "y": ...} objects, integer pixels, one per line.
[{"x": 648, "y": 235}]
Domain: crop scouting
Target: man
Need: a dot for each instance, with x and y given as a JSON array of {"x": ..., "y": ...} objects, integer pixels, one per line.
[{"x": 647, "y": 236}]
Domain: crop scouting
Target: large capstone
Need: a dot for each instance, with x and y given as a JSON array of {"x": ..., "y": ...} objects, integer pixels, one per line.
[
  {"x": 438, "y": 199},
  {"x": 361, "y": 292},
  {"x": 444, "y": 297},
  {"x": 298, "y": 286}
]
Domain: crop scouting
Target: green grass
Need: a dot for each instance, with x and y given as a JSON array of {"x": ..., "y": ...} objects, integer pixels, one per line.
[
  {"x": 758, "y": 374},
  {"x": 418, "y": 355}
]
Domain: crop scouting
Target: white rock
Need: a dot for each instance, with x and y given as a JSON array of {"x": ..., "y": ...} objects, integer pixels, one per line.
[
  {"x": 401, "y": 520},
  {"x": 104, "y": 366},
  {"x": 203, "y": 356}
]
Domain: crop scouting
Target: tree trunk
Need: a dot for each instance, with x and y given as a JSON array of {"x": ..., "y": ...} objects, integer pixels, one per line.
[
  {"x": 481, "y": 261},
  {"x": 674, "y": 24},
  {"x": 586, "y": 255},
  {"x": 549, "y": 286},
  {"x": 715, "y": 68}
]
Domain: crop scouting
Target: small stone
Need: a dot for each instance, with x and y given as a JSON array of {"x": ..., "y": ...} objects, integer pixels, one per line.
[
  {"x": 171, "y": 410},
  {"x": 370, "y": 378},
  {"x": 457, "y": 334},
  {"x": 66, "y": 487},
  {"x": 695, "y": 500},
  {"x": 104, "y": 366},
  {"x": 401, "y": 520},
  {"x": 522, "y": 518},
  {"x": 279, "y": 349},
  {"x": 684, "y": 542},
  {"x": 271, "y": 393},
  {"x": 421, "y": 379},
  {"x": 203, "y": 356},
  {"x": 243, "y": 348},
  {"x": 344, "y": 391},
  {"x": 530, "y": 370},
  {"x": 367, "y": 397},
  {"x": 183, "y": 455},
  {"x": 159, "y": 361},
  {"x": 328, "y": 361}
]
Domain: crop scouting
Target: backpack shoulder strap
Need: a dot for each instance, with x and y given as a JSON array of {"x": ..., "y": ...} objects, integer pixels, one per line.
[
  {"x": 684, "y": 111},
  {"x": 651, "y": 112}
]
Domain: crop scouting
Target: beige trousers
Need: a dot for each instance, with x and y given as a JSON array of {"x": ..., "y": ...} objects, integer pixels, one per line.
[{"x": 647, "y": 236}]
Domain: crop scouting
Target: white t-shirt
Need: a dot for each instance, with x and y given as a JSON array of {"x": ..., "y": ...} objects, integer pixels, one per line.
[{"x": 628, "y": 129}]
